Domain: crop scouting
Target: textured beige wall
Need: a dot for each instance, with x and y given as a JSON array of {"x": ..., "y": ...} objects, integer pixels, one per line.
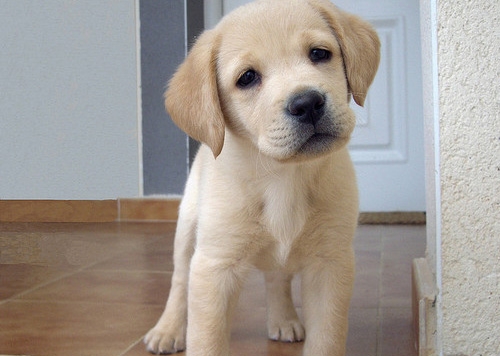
[{"x": 469, "y": 101}]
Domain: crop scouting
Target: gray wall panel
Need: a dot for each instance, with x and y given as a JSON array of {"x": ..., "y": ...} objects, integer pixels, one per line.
[{"x": 165, "y": 148}]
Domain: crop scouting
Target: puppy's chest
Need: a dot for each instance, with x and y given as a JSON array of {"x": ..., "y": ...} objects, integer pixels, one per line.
[{"x": 284, "y": 215}]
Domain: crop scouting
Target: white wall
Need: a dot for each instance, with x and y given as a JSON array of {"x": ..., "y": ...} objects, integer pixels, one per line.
[
  {"x": 68, "y": 99},
  {"x": 468, "y": 64}
]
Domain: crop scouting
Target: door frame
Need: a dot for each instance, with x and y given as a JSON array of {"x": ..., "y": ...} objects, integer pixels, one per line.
[{"x": 430, "y": 83}]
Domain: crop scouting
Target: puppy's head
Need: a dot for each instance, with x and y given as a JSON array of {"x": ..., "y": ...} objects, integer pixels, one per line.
[{"x": 279, "y": 73}]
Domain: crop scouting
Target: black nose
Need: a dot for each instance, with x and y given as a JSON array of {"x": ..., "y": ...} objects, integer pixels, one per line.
[{"x": 307, "y": 107}]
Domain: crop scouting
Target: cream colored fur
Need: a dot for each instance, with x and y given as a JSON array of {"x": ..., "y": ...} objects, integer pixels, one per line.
[{"x": 267, "y": 191}]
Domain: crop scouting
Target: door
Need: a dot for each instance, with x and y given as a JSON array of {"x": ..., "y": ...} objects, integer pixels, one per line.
[{"x": 387, "y": 146}]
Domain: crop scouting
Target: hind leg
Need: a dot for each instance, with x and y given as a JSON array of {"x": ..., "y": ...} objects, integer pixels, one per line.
[{"x": 282, "y": 321}]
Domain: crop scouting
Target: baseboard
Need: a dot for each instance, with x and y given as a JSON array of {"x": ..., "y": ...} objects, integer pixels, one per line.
[
  {"x": 149, "y": 209},
  {"x": 89, "y": 211},
  {"x": 392, "y": 218},
  {"x": 58, "y": 210},
  {"x": 138, "y": 209},
  {"x": 424, "y": 294}
]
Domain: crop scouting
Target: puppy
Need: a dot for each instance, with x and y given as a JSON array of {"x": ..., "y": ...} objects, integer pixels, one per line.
[{"x": 272, "y": 187}]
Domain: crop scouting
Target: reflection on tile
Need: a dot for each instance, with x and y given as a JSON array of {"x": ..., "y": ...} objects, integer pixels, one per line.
[
  {"x": 18, "y": 278},
  {"x": 362, "y": 337},
  {"x": 107, "y": 287},
  {"x": 396, "y": 332},
  {"x": 366, "y": 290},
  {"x": 57, "y": 328},
  {"x": 155, "y": 256},
  {"x": 96, "y": 289}
]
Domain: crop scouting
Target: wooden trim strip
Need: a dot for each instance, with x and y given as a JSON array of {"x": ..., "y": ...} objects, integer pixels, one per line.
[
  {"x": 148, "y": 209},
  {"x": 58, "y": 211},
  {"x": 393, "y": 218},
  {"x": 138, "y": 209}
]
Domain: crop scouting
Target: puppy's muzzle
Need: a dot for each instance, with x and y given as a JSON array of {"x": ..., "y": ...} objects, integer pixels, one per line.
[{"x": 307, "y": 107}]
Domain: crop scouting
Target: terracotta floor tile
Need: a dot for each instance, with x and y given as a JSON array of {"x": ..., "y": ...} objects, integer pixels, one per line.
[
  {"x": 249, "y": 335},
  {"x": 363, "y": 327},
  {"x": 396, "y": 287},
  {"x": 96, "y": 289},
  {"x": 139, "y": 349},
  {"x": 403, "y": 232},
  {"x": 254, "y": 291},
  {"x": 17, "y": 278},
  {"x": 396, "y": 333},
  {"x": 136, "y": 229},
  {"x": 367, "y": 279},
  {"x": 146, "y": 288},
  {"x": 61, "y": 329},
  {"x": 366, "y": 290},
  {"x": 154, "y": 256},
  {"x": 368, "y": 238},
  {"x": 67, "y": 249},
  {"x": 368, "y": 261}
]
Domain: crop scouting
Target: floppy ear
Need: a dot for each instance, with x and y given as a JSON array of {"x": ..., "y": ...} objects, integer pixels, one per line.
[
  {"x": 192, "y": 99},
  {"x": 360, "y": 47}
]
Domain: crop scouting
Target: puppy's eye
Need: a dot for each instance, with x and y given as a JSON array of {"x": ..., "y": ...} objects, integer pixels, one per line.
[
  {"x": 247, "y": 79},
  {"x": 318, "y": 55}
]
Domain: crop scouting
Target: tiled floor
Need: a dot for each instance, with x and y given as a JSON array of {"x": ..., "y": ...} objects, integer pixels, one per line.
[{"x": 96, "y": 289}]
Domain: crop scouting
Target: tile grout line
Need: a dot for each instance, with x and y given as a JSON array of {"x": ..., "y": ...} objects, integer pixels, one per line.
[
  {"x": 127, "y": 271},
  {"x": 41, "y": 285},
  {"x": 67, "y": 275},
  {"x": 136, "y": 342},
  {"x": 84, "y": 302},
  {"x": 16, "y": 297},
  {"x": 56, "y": 279}
]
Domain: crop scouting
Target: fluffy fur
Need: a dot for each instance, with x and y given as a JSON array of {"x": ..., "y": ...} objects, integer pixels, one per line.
[{"x": 272, "y": 187}]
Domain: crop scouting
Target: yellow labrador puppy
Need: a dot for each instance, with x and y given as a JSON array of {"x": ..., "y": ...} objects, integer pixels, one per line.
[{"x": 267, "y": 92}]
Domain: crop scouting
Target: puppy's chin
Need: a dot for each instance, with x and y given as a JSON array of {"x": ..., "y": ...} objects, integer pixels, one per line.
[{"x": 317, "y": 145}]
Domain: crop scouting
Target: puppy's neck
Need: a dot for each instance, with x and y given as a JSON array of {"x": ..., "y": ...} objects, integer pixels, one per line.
[
  {"x": 284, "y": 189},
  {"x": 285, "y": 210}
]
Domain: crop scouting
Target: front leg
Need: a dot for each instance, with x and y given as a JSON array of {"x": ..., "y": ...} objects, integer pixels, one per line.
[
  {"x": 214, "y": 288},
  {"x": 326, "y": 293},
  {"x": 169, "y": 334}
]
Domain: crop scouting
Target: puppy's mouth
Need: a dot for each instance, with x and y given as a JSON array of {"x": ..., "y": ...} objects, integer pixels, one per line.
[
  {"x": 318, "y": 143},
  {"x": 302, "y": 144}
]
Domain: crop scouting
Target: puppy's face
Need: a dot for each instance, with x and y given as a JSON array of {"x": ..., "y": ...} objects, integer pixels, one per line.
[
  {"x": 282, "y": 82},
  {"x": 278, "y": 73}
]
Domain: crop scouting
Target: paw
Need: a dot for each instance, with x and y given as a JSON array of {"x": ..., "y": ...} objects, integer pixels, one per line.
[
  {"x": 286, "y": 331},
  {"x": 162, "y": 341}
]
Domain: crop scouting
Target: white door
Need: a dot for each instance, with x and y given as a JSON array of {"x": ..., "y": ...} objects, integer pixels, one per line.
[{"x": 387, "y": 146}]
